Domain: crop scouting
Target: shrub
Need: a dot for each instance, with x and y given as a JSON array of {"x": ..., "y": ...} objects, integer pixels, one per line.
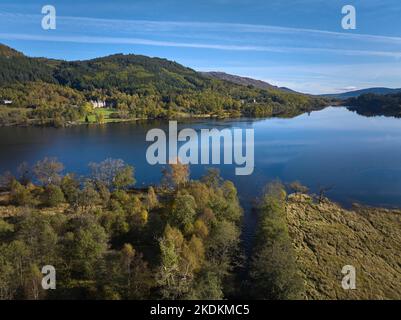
[
  {"x": 53, "y": 196},
  {"x": 20, "y": 195}
]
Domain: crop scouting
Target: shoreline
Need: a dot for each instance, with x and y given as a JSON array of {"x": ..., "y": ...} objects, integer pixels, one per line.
[
  {"x": 80, "y": 123},
  {"x": 182, "y": 117}
]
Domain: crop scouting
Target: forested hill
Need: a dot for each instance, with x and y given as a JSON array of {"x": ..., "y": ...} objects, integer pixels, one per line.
[
  {"x": 134, "y": 86},
  {"x": 130, "y": 74},
  {"x": 126, "y": 73},
  {"x": 9, "y": 52},
  {"x": 17, "y": 68},
  {"x": 245, "y": 81}
]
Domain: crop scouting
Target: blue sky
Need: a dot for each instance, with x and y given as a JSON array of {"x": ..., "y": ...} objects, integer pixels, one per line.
[{"x": 295, "y": 43}]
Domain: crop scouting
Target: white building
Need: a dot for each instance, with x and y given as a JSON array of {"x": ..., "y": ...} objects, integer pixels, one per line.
[
  {"x": 6, "y": 102},
  {"x": 98, "y": 104}
]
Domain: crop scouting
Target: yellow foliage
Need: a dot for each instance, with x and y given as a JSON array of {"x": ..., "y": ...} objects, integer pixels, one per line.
[{"x": 200, "y": 229}]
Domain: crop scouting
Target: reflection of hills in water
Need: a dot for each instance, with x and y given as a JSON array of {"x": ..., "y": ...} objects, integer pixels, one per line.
[{"x": 376, "y": 105}]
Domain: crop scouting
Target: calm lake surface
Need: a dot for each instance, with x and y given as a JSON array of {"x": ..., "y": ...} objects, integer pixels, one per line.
[{"x": 359, "y": 156}]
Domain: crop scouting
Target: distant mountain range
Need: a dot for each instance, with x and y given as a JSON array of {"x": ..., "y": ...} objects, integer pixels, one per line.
[
  {"x": 357, "y": 93},
  {"x": 259, "y": 84},
  {"x": 244, "y": 81}
]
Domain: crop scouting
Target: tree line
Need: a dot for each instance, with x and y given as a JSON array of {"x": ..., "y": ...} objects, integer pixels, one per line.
[{"x": 376, "y": 105}]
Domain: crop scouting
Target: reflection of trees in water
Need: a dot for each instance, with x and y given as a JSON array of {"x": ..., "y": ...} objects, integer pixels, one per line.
[{"x": 371, "y": 105}]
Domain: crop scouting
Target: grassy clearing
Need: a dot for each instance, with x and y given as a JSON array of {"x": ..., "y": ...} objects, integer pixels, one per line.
[{"x": 105, "y": 112}]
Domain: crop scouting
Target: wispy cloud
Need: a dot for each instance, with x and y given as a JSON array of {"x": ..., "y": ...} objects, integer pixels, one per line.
[
  {"x": 149, "y": 25},
  {"x": 138, "y": 41},
  {"x": 170, "y": 26},
  {"x": 349, "y": 88}
]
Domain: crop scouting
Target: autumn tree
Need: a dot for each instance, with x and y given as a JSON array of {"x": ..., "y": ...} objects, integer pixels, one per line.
[
  {"x": 114, "y": 173},
  {"x": 70, "y": 187},
  {"x": 33, "y": 288},
  {"x": 297, "y": 187},
  {"x": 14, "y": 260},
  {"x": 114, "y": 220},
  {"x": 20, "y": 195},
  {"x": 222, "y": 247},
  {"x": 151, "y": 199},
  {"x": 180, "y": 261},
  {"x": 200, "y": 229},
  {"x": 37, "y": 232},
  {"x": 176, "y": 175},
  {"x": 139, "y": 278},
  {"x": 212, "y": 178},
  {"x": 103, "y": 191},
  {"x": 184, "y": 211},
  {"x": 100, "y": 119},
  {"x": 127, "y": 256},
  {"x": 48, "y": 171},
  {"x": 87, "y": 197},
  {"x": 124, "y": 177},
  {"x": 85, "y": 246}
]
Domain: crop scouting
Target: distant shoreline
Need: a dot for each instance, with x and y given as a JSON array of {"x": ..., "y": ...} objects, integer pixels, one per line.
[{"x": 181, "y": 117}]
